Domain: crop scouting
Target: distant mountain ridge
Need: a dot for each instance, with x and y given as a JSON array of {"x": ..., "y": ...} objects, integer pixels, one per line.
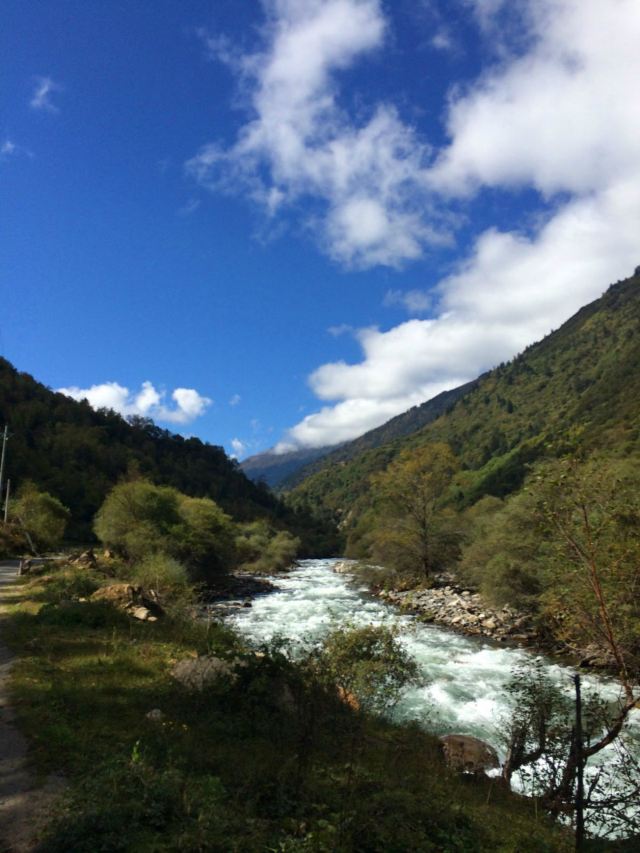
[
  {"x": 577, "y": 388},
  {"x": 284, "y": 471},
  {"x": 273, "y": 468}
]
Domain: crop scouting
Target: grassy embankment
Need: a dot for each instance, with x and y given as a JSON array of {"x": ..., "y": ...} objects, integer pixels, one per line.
[{"x": 243, "y": 766}]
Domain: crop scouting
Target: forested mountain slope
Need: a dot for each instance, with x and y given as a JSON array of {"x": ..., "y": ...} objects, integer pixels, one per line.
[
  {"x": 77, "y": 454},
  {"x": 579, "y": 387},
  {"x": 402, "y": 425},
  {"x": 284, "y": 471}
]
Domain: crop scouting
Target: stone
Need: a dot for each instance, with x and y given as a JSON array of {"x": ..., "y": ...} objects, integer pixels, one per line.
[
  {"x": 467, "y": 754},
  {"x": 198, "y": 673},
  {"x": 155, "y": 715},
  {"x": 143, "y": 614},
  {"x": 132, "y": 599}
]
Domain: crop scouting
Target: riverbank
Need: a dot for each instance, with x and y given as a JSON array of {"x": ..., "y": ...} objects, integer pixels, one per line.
[
  {"x": 452, "y": 606},
  {"x": 152, "y": 765}
]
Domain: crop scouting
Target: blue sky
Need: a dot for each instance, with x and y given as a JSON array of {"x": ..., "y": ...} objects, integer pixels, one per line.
[{"x": 283, "y": 222}]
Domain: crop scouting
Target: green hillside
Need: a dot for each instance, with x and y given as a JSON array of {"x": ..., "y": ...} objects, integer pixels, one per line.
[
  {"x": 402, "y": 425},
  {"x": 579, "y": 387},
  {"x": 77, "y": 454}
]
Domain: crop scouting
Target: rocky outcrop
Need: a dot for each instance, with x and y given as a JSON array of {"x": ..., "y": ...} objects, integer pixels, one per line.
[
  {"x": 132, "y": 599},
  {"x": 465, "y": 611},
  {"x": 467, "y": 754}
]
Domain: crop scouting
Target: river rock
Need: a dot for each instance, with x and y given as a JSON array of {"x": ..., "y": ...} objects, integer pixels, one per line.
[
  {"x": 446, "y": 603},
  {"x": 467, "y": 754},
  {"x": 343, "y": 567}
]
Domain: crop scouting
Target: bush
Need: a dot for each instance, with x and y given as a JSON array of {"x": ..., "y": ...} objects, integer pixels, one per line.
[
  {"x": 71, "y": 583},
  {"x": 161, "y": 573},
  {"x": 264, "y": 550},
  {"x": 368, "y": 663},
  {"x": 139, "y": 520}
]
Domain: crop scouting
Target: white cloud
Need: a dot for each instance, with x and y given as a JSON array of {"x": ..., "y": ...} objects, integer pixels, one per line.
[
  {"x": 148, "y": 402},
  {"x": 562, "y": 119},
  {"x": 238, "y": 446},
  {"x": 368, "y": 178},
  {"x": 414, "y": 301},
  {"x": 235, "y": 400},
  {"x": 41, "y": 98}
]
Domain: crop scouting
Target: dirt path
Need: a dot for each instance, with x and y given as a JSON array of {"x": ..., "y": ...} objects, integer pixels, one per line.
[{"x": 24, "y": 804}]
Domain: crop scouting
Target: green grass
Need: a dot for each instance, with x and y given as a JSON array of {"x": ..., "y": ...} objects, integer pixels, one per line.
[{"x": 230, "y": 769}]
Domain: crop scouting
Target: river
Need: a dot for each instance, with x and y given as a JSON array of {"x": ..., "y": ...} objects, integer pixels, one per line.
[{"x": 464, "y": 678}]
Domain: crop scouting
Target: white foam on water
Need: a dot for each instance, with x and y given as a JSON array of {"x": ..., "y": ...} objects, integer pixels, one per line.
[{"x": 464, "y": 678}]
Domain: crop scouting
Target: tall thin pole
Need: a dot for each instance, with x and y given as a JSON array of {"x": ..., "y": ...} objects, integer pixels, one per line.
[
  {"x": 6, "y": 501},
  {"x": 579, "y": 769},
  {"x": 4, "y": 449}
]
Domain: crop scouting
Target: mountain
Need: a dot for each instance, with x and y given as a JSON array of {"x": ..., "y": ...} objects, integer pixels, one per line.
[
  {"x": 579, "y": 388},
  {"x": 77, "y": 454},
  {"x": 284, "y": 471},
  {"x": 402, "y": 425},
  {"x": 274, "y": 468}
]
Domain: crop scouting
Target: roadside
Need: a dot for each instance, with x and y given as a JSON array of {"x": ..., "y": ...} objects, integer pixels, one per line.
[{"x": 24, "y": 802}]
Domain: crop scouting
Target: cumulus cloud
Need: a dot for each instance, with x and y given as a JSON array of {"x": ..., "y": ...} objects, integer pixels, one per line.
[
  {"x": 235, "y": 400},
  {"x": 561, "y": 118},
  {"x": 148, "y": 402},
  {"x": 41, "y": 99},
  {"x": 413, "y": 301},
  {"x": 367, "y": 179},
  {"x": 238, "y": 446}
]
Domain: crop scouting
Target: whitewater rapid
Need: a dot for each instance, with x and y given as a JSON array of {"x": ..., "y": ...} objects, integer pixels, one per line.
[{"x": 464, "y": 678}]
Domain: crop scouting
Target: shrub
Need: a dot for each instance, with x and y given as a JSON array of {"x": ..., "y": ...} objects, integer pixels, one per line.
[
  {"x": 167, "y": 577},
  {"x": 70, "y": 583},
  {"x": 262, "y": 549}
]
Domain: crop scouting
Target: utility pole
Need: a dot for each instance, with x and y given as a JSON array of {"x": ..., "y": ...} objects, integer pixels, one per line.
[
  {"x": 579, "y": 769},
  {"x": 5, "y": 438},
  {"x": 6, "y": 501}
]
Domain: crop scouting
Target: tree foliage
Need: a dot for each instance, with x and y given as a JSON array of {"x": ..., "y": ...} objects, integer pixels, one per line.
[
  {"x": 262, "y": 549},
  {"x": 42, "y": 517},
  {"x": 413, "y": 531},
  {"x": 589, "y": 513},
  {"x": 139, "y": 519},
  {"x": 367, "y": 663},
  {"x": 78, "y": 454}
]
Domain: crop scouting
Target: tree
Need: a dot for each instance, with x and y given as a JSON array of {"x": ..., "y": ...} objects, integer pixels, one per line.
[
  {"x": 205, "y": 538},
  {"x": 549, "y": 740},
  {"x": 367, "y": 663},
  {"x": 589, "y": 513},
  {"x": 42, "y": 517},
  {"x": 413, "y": 530},
  {"x": 139, "y": 519},
  {"x": 261, "y": 548}
]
